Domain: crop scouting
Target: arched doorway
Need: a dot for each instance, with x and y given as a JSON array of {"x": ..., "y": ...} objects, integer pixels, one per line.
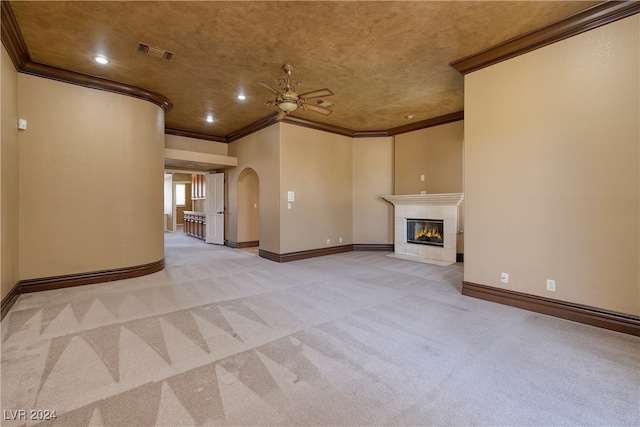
[{"x": 248, "y": 208}]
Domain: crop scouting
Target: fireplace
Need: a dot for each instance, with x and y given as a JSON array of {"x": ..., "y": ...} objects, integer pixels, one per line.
[
  {"x": 416, "y": 242},
  {"x": 425, "y": 231}
]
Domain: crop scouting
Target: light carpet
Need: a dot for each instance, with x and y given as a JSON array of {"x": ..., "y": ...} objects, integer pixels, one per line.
[{"x": 224, "y": 337}]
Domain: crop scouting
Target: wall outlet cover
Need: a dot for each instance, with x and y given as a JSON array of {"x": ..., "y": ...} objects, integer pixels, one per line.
[{"x": 551, "y": 285}]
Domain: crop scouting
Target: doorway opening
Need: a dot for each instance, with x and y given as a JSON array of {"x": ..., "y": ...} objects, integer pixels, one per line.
[{"x": 248, "y": 189}]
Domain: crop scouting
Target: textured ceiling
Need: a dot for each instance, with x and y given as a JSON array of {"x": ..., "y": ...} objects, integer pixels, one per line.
[{"x": 383, "y": 60}]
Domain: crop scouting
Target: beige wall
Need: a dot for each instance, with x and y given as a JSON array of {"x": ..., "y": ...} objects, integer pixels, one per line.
[
  {"x": 91, "y": 174},
  {"x": 259, "y": 151},
  {"x": 198, "y": 145},
  {"x": 9, "y": 202},
  {"x": 337, "y": 183},
  {"x": 317, "y": 166},
  {"x": 434, "y": 152},
  {"x": 552, "y": 170},
  {"x": 372, "y": 179}
]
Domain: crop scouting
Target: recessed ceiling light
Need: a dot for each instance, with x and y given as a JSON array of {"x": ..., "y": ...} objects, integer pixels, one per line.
[
  {"x": 241, "y": 97},
  {"x": 410, "y": 116},
  {"x": 209, "y": 119},
  {"x": 100, "y": 59}
]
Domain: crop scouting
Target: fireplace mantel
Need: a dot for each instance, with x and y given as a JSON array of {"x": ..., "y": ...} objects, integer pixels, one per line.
[
  {"x": 426, "y": 206},
  {"x": 429, "y": 199}
]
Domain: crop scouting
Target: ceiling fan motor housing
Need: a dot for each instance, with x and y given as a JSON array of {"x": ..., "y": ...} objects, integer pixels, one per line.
[{"x": 288, "y": 101}]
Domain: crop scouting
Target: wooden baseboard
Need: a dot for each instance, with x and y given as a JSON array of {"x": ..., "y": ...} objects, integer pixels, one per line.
[
  {"x": 312, "y": 253},
  {"x": 242, "y": 245},
  {"x": 68, "y": 280},
  {"x": 9, "y": 300},
  {"x": 383, "y": 247},
  {"x": 593, "y": 316},
  {"x": 59, "y": 282}
]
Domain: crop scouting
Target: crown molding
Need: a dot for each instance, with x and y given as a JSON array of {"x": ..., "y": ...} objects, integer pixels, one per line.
[
  {"x": 318, "y": 126},
  {"x": 596, "y": 16},
  {"x": 588, "y": 19},
  {"x": 17, "y": 49},
  {"x": 93, "y": 82},
  {"x": 253, "y": 127},
  {"x": 423, "y": 124},
  {"x": 192, "y": 134},
  {"x": 14, "y": 43},
  {"x": 12, "y": 37},
  {"x": 370, "y": 133}
]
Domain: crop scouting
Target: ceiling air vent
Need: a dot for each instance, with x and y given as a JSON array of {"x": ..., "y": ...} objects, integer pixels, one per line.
[{"x": 155, "y": 52}]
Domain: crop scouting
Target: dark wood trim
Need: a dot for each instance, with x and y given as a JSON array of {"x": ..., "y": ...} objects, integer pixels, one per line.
[
  {"x": 9, "y": 300},
  {"x": 593, "y": 316},
  {"x": 312, "y": 253},
  {"x": 271, "y": 256},
  {"x": 191, "y": 134},
  {"x": 588, "y": 19},
  {"x": 58, "y": 282},
  {"x": 423, "y": 124},
  {"x": 370, "y": 133},
  {"x": 93, "y": 82},
  {"x": 298, "y": 121},
  {"x": 386, "y": 247},
  {"x": 12, "y": 38},
  {"x": 459, "y": 257},
  {"x": 242, "y": 245},
  {"x": 253, "y": 127},
  {"x": 269, "y": 120},
  {"x": 17, "y": 49}
]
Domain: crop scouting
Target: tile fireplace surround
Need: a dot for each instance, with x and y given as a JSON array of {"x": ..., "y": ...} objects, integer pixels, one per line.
[{"x": 426, "y": 206}]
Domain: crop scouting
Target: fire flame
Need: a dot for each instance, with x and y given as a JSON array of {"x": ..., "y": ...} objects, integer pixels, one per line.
[{"x": 429, "y": 232}]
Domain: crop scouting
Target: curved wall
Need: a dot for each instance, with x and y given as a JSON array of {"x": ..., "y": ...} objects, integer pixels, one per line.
[
  {"x": 91, "y": 180},
  {"x": 9, "y": 214}
]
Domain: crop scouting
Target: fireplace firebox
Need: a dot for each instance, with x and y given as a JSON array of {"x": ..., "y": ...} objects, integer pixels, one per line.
[{"x": 425, "y": 231}]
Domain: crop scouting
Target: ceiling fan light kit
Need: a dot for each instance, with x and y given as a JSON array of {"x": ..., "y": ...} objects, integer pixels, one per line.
[{"x": 287, "y": 100}]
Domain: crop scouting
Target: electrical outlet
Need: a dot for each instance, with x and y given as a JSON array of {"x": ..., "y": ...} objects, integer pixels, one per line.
[
  {"x": 504, "y": 277},
  {"x": 551, "y": 285},
  {"x": 328, "y": 241},
  {"x": 340, "y": 240}
]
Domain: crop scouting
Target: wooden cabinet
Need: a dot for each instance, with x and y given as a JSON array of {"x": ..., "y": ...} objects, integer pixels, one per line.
[
  {"x": 198, "y": 190},
  {"x": 195, "y": 224}
]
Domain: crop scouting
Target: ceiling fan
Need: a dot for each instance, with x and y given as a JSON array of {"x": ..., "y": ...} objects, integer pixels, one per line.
[{"x": 288, "y": 100}]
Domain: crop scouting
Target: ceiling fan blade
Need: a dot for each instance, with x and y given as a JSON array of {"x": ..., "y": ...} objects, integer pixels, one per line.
[
  {"x": 316, "y": 94},
  {"x": 269, "y": 88},
  {"x": 281, "y": 115},
  {"x": 317, "y": 109}
]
